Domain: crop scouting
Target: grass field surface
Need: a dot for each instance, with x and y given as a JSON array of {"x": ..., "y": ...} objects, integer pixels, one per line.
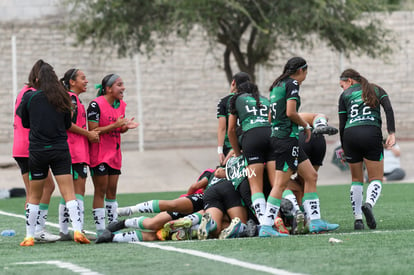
[{"x": 386, "y": 250}]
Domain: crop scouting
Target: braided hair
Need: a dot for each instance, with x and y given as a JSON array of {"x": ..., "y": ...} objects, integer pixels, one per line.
[
  {"x": 368, "y": 89},
  {"x": 291, "y": 67}
]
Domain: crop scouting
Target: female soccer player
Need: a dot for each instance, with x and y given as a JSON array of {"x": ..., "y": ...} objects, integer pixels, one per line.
[
  {"x": 47, "y": 112},
  {"x": 361, "y": 139},
  {"x": 79, "y": 137},
  {"x": 106, "y": 114},
  {"x": 289, "y": 157}
]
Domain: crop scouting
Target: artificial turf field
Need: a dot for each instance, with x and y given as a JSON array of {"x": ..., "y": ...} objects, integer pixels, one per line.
[{"x": 386, "y": 250}]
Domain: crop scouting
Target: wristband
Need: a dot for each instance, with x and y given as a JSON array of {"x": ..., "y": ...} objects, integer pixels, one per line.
[
  {"x": 220, "y": 150},
  {"x": 307, "y": 126}
]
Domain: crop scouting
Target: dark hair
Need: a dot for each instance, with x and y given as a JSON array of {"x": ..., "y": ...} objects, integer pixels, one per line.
[
  {"x": 34, "y": 74},
  {"x": 368, "y": 89},
  {"x": 246, "y": 87},
  {"x": 53, "y": 89},
  {"x": 240, "y": 78},
  {"x": 293, "y": 64},
  {"x": 70, "y": 74}
]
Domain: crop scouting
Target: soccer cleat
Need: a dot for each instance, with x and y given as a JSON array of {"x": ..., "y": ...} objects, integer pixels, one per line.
[
  {"x": 358, "y": 225},
  {"x": 105, "y": 237},
  {"x": 204, "y": 228},
  {"x": 286, "y": 207},
  {"x": 116, "y": 226},
  {"x": 162, "y": 234},
  {"x": 180, "y": 235},
  {"x": 280, "y": 226},
  {"x": 124, "y": 211},
  {"x": 27, "y": 242},
  {"x": 79, "y": 237},
  {"x": 320, "y": 226},
  {"x": 299, "y": 222},
  {"x": 232, "y": 231},
  {"x": 322, "y": 130},
  {"x": 268, "y": 231},
  {"x": 251, "y": 228},
  {"x": 369, "y": 216},
  {"x": 46, "y": 237},
  {"x": 176, "y": 224},
  {"x": 65, "y": 237}
]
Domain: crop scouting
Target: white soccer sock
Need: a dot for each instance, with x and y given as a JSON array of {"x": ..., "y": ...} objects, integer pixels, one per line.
[
  {"x": 74, "y": 214},
  {"x": 79, "y": 199},
  {"x": 195, "y": 218},
  {"x": 311, "y": 205},
  {"x": 272, "y": 208},
  {"x": 111, "y": 207},
  {"x": 126, "y": 237},
  {"x": 320, "y": 121},
  {"x": 41, "y": 219},
  {"x": 136, "y": 222},
  {"x": 259, "y": 206},
  {"x": 64, "y": 219},
  {"x": 32, "y": 211},
  {"x": 356, "y": 195},
  {"x": 151, "y": 206},
  {"x": 373, "y": 192},
  {"x": 99, "y": 218},
  {"x": 288, "y": 194}
]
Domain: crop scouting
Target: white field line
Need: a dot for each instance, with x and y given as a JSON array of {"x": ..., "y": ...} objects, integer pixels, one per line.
[
  {"x": 231, "y": 261},
  {"x": 63, "y": 265},
  {"x": 218, "y": 258}
]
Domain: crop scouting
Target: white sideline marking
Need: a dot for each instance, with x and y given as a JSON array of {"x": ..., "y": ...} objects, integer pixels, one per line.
[
  {"x": 218, "y": 258},
  {"x": 222, "y": 259},
  {"x": 64, "y": 265}
]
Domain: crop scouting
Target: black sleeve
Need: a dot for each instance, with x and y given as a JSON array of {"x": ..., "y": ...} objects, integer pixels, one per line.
[
  {"x": 389, "y": 112},
  {"x": 93, "y": 112},
  {"x": 292, "y": 89},
  {"x": 221, "y": 107},
  {"x": 22, "y": 111},
  {"x": 68, "y": 120},
  {"x": 343, "y": 116},
  {"x": 74, "y": 108},
  {"x": 205, "y": 174}
]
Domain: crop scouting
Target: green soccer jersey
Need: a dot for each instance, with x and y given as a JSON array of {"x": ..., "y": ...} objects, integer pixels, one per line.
[
  {"x": 351, "y": 104},
  {"x": 282, "y": 126},
  {"x": 249, "y": 115}
]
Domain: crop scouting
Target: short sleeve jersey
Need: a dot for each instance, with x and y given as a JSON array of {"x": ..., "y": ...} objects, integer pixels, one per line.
[
  {"x": 249, "y": 114},
  {"x": 47, "y": 125},
  {"x": 223, "y": 110},
  {"x": 351, "y": 104},
  {"x": 282, "y": 126}
]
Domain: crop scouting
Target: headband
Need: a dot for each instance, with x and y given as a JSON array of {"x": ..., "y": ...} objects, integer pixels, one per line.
[
  {"x": 108, "y": 83},
  {"x": 111, "y": 80},
  {"x": 303, "y": 66},
  {"x": 73, "y": 74}
]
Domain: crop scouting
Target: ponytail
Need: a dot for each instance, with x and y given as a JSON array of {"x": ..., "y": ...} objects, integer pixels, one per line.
[
  {"x": 291, "y": 67},
  {"x": 369, "y": 95}
]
